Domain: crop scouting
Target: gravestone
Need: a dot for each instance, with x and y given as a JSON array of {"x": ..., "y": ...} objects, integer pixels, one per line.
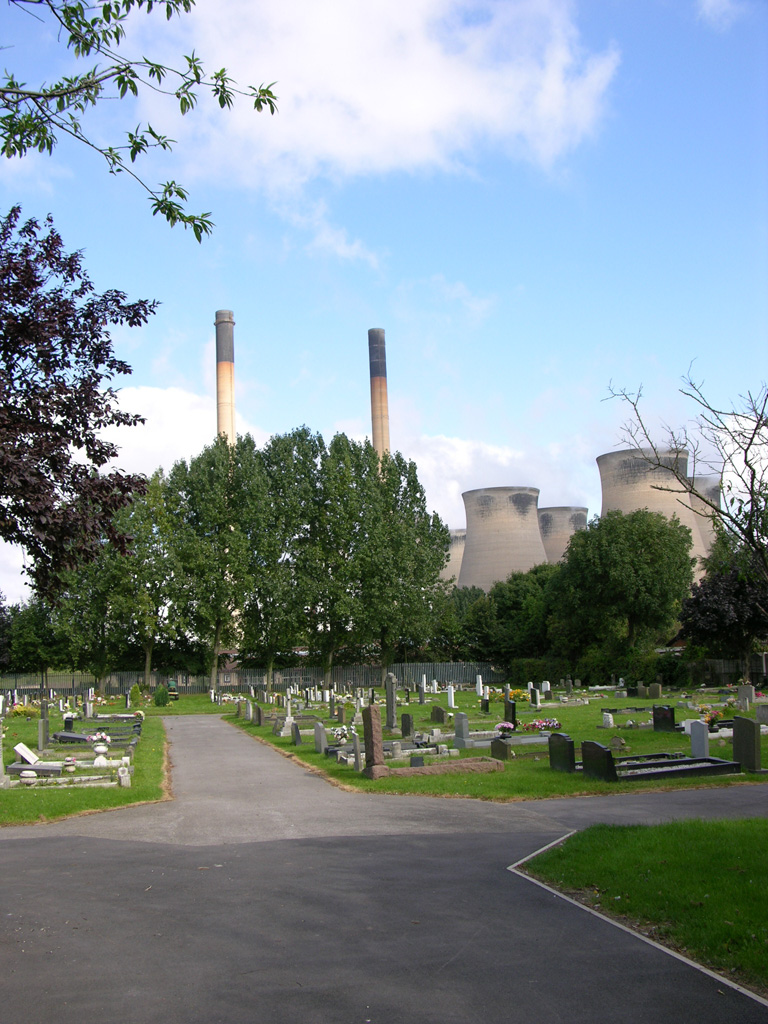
[
  {"x": 406, "y": 726},
  {"x": 632, "y": 691},
  {"x": 341, "y": 714},
  {"x": 390, "y": 688},
  {"x": 479, "y": 686},
  {"x": 321, "y": 738},
  {"x": 397, "y": 750},
  {"x": 296, "y": 734},
  {"x": 248, "y": 711},
  {"x": 407, "y": 695},
  {"x": 535, "y": 699},
  {"x": 510, "y": 712},
  {"x": 332, "y": 706},
  {"x": 546, "y": 689},
  {"x": 654, "y": 691},
  {"x": 608, "y": 720},
  {"x": 761, "y": 714},
  {"x": 417, "y": 761},
  {"x": 485, "y": 706},
  {"x": 422, "y": 694},
  {"x": 374, "y": 748},
  {"x": 356, "y": 752},
  {"x": 451, "y": 697},
  {"x": 506, "y": 691},
  {"x": 439, "y": 715},
  {"x": 461, "y": 738},
  {"x": 501, "y": 750},
  {"x": 642, "y": 691},
  {"x": 5, "y": 782},
  {"x": 663, "y": 718},
  {"x": 597, "y": 761},
  {"x": 568, "y": 686},
  {"x": 746, "y": 692},
  {"x": 562, "y": 752},
  {"x": 746, "y": 743},
  {"x": 258, "y": 715},
  {"x": 23, "y": 751},
  {"x": 699, "y": 739},
  {"x": 42, "y": 734}
]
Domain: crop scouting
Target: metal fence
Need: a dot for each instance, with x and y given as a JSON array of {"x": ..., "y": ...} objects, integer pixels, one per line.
[{"x": 343, "y": 678}]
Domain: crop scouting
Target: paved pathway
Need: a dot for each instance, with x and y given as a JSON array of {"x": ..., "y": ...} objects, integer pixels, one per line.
[{"x": 262, "y": 893}]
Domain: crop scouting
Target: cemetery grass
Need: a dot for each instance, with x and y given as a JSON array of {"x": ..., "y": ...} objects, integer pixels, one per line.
[
  {"x": 27, "y": 805},
  {"x": 700, "y": 887},
  {"x": 528, "y": 776}
]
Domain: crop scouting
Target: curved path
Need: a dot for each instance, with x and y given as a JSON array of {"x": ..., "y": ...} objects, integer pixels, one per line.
[{"x": 262, "y": 893}]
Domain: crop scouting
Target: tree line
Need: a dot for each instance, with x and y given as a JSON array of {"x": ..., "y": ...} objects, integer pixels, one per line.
[{"x": 298, "y": 546}]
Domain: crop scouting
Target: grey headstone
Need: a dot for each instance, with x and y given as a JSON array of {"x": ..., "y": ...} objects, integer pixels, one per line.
[
  {"x": 258, "y": 715},
  {"x": 699, "y": 739},
  {"x": 746, "y": 743},
  {"x": 568, "y": 686},
  {"x": 390, "y": 690},
  {"x": 461, "y": 738},
  {"x": 296, "y": 734},
  {"x": 356, "y": 752},
  {"x": 406, "y": 726},
  {"x": 321, "y": 738},
  {"x": 642, "y": 691},
  {"x": 501, "y": 750},
  {"x": 746, "y": 692},
  {"x": 654, "y": 691},
  {"x": 439, "y": 715},
  {"x": 422, "y": 694},
  {"x": 761, "y": 714}
]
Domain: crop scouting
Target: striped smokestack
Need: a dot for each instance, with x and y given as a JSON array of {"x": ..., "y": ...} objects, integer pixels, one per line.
[
  {"x": 225, "y": 374},
  {"x": 377, "y": 355}
]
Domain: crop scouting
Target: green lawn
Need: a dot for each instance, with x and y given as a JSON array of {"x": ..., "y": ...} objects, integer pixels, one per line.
[{"x": 700, "y": 887}]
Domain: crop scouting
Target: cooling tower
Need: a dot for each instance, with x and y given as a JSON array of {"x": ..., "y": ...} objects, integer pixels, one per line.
[
  {"x": 557, "y": 526},
  {"x": 709, "y": 487},
  {"x": 225, "y": 374},
  {"x": 455, "y": 555},
  {"x": 502, "y": 535},
  {"x": 629, "y": 483},
  {"x": 377, "y": 355}
]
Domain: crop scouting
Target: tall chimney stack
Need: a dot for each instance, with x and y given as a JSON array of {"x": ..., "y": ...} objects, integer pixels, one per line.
[
  {"x": 225, "y": 374},
  {"x": 377, "y": 355}
]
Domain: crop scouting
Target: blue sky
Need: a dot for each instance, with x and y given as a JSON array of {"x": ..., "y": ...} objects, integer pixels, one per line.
[{"x": 534, "y": 198}]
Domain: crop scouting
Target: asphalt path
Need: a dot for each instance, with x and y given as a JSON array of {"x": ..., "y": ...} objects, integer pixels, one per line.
[{"x": 261, "y": 893}]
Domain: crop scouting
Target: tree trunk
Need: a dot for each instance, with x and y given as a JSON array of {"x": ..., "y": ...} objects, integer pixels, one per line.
[
  {"x": 270, "y": 667},
  {"x": 327, "y": 665},
  {"x": 148, "y": 647},
  {"x": 215, "y": 665}
]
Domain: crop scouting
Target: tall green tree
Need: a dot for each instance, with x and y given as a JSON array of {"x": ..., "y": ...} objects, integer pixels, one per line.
[
  {"x": 274, "y": 617},
  {"x": 211, "y": 501},
  {"x": 623, "y": 580}
]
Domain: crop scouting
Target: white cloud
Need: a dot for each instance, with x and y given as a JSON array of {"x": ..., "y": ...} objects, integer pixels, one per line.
[
  {"x": 369, "y": 88},
  {"x": 719, "y": 13},
  {"x": 326, "y": 237}
]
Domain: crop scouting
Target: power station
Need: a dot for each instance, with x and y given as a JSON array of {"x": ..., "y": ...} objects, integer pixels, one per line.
[{"x": 506, "y": 531}]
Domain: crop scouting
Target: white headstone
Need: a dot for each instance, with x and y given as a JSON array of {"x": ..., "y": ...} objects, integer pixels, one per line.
[
  {"x": 607, "y": 720},
  {"x": 23, "y": 751},
  {"x": 451, "y": 697},
  {"x": 479, "y": 686},
  {"x": 123, "y": 776},
  {"x": 486, "y": 693}
]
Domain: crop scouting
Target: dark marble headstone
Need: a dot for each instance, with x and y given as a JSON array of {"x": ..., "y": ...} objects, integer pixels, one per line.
[
  {"x": 406, "y": 725},
  {"x": 568, "y": 686},
  {"x": 374, "y": 747},
  {"x": 391, "y": 695},
  {"x": 746, "y": 743},
  {"x": 258, "y": 715},
  {"x": 501, "y": 750},
  {"x": 597, "y": 761},
  {"x": 417, "y": 761},
  {"x": 632, "y": 691},
  {"x": 663, "y": 718},
  {"x": 562, "y": 752},
  {"x": 422, "y": 694},
  {"x": 296, "y": 734},
  {"x": 510, "y": 712},
  {"x": 439, "y": 715},
  {"x": 407, "y": 695},
  {"x": 485, "y": 705}
]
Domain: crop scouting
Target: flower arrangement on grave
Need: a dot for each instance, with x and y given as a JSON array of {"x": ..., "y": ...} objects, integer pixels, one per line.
[
  {"x": 541, "y": 723},
  {"x": 730, "y": 702},
  {"x": 712, "y": 716},
  {"x": 99, "y": 737},
  {"x": 25, "y": 711},
  {"x": 505, "y": 730},
  {"x": 341, "y": 734},
  {"x": 519, "y": 695},
  {"x": 139, "y": 714}
]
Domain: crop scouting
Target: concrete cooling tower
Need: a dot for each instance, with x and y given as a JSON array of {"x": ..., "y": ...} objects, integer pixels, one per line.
[
  {"x": 630, "y": 483},
  {"x": 502, "y": 535},
  {"x": 455, "y": 556},
  {"x": 710, "y": 487},
  {"x": 557, "y": 526}
]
